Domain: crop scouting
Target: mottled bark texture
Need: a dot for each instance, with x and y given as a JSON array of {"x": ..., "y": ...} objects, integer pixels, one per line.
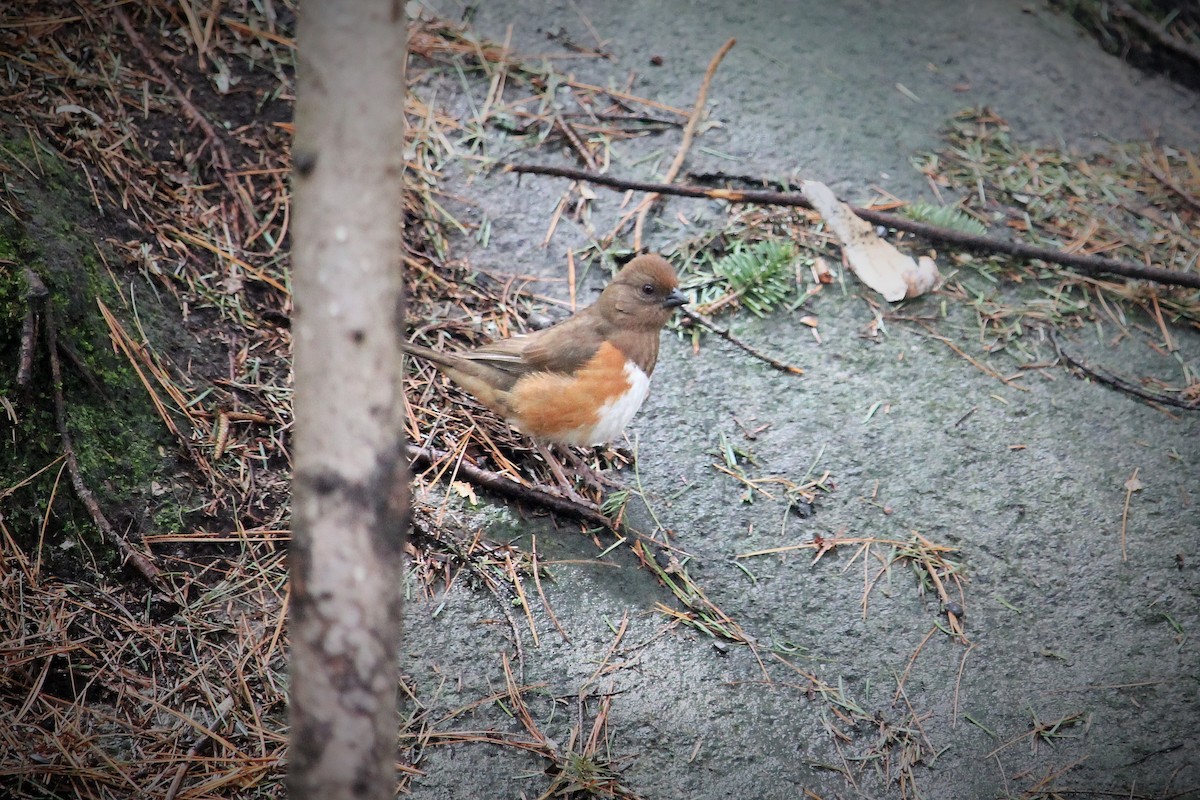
[{"x": 350, "y": 498}]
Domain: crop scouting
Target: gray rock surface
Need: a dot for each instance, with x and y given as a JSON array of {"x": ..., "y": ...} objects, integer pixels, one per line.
[{"x": 1029, "y": 486}]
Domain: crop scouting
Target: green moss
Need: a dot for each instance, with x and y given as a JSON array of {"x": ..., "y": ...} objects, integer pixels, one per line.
[{"x": 117, "y": 436}]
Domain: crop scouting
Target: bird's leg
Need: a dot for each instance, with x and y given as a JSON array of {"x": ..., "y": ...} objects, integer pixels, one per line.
[
  {"x": 579, "y": 464},
  {"x": 564, "y": 483}
]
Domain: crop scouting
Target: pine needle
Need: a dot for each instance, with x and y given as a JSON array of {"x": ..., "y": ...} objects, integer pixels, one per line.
[
  {"x": 944, "y": 217},
  {"x": 759, "y": 277}
]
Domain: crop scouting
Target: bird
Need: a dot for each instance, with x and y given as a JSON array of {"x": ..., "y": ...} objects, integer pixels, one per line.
[{"x": 581, "y": 381}]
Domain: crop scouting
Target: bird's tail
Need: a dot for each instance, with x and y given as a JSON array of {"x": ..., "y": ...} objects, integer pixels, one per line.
[
  {"x": 489, "y": 385},
  {"x": 432, "y": 356}
]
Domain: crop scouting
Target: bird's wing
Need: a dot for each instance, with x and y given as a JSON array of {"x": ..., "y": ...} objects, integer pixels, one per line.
[
  {"x": 561, "y": 348},
  {"x": 565, "y": 347},
  {"x": 504, "y": 355}
]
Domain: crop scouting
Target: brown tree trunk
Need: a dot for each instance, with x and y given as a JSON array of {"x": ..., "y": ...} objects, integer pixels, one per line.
[{"x": 350, "y": 501}]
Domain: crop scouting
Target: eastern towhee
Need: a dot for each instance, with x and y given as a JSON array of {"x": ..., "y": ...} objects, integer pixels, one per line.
[{"x": 581, "y": 381}]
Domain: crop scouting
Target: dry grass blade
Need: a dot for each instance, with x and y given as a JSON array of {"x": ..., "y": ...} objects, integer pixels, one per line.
[{"x": 121, "y": 341}]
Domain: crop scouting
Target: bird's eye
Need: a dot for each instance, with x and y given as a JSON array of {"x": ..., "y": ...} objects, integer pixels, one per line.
[{"x": 648, "y": 289}]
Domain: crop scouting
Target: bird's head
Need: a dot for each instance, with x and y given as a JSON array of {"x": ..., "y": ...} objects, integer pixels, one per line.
[{"x": 643, "y": 295}]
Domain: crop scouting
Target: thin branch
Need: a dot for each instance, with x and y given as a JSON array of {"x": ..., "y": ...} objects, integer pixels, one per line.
[
  {"x": 1118, "y": 383},
  {"x": 143, "y": 562},
  {"x": 1089, "y": 265},
  {"x": 224, "y": 163},
  {"x": 202, "y": 742},
  {"x": 1157, "y": 32},
  {"x": 507, "y": 487},
  {"x": 35, "y": 300},
  {"x": 729, "y": 337},
  {"x": 1167, "y": 181},
  {"x": 572, "y": 135}
]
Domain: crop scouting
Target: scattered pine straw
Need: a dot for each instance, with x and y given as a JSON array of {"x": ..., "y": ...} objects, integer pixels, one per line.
[{"x": 177, "y": 120}]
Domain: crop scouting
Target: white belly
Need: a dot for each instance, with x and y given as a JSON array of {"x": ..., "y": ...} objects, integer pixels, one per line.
[{"x": 617, "y": 413}]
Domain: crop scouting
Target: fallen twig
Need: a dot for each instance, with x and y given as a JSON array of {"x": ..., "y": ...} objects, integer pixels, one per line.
[
  {"x": 202, "y": 742},
  {"x": 1089, "y": 265},
  {"x": 224, "y": 163},
  {"x": 1119, "y": 384},
  {"x": 1157, "y": 32},
  {"x": 932, "y": 333},
  {"x": 1167, "y": 181},
  {"x": 143, "y": 562},
  {"x": 35, "y": 300},
  {"x": 729, "y": 337},
  {"x": 507, "y": 487},
  {"x": 534, "y": 569},
  {"x": 580, "y": 148}
]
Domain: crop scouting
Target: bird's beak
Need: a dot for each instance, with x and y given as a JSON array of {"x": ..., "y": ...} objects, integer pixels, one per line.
[{"x": 675, "y": 299}]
